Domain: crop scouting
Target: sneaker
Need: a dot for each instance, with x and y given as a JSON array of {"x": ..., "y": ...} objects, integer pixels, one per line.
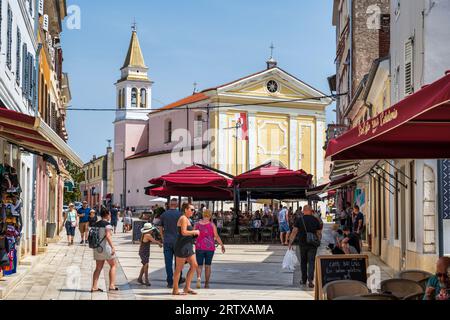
[
  {"x": 199, "y": 283},
  {"x": 170, "y": 286},
  {"x": 81, "y": 242},
  {"x": 311, "y": 285},
  {"x": 303, "y": 283},
  {"x": 182, "y": 280}
]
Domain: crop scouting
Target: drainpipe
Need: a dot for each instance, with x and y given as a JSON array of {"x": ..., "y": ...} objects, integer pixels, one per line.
[
  {"x": 440, "y": 208},
  {"x": 35, "y": 164}
]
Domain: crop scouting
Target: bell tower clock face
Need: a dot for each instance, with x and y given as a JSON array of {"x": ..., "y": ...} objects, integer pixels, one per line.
[{"x": 272, "y": 86}]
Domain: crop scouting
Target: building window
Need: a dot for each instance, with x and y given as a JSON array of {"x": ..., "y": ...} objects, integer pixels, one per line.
[
  {"x": 134, "y": 94},
  {"x": 409, "y": 67},
  {"x": 9, "y": 39},
  {"x": 124, "y": 95},
  {"x": 18, "y": 57},
  {"x": 198, "y": 126},
  {"x": 168, "y": 132},
  {"x": 119, "y": 102},
  {"x": 143, "y": 103},
  {"x": 412, "y": 200}
]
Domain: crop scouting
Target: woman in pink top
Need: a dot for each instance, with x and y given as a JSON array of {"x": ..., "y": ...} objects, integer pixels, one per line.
[{"x": 205, "y": 246}]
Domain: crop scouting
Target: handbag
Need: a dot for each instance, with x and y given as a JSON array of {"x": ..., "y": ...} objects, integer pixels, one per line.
[
  {"x": 311, "y": 238},
  {"x": 4, "y": 259}
]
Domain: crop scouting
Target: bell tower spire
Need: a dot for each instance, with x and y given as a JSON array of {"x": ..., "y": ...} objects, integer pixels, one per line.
[{"x": 134, "y": 88}]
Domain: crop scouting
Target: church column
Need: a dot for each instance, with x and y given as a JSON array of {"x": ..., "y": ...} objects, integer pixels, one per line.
[
  {"x": 252, "y": 140},
  {"x": 222, "y": 145},
  {"x": 293, "y": 142},
  {"x": 320, "y": 152}
]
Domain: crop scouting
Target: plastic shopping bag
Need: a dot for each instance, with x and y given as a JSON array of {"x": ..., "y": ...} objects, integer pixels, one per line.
[{"x": 290, "y": 261}]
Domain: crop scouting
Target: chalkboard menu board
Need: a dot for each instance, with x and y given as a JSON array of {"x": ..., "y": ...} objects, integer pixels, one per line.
[
  {"x": 340, "y": 267},
  {"x": 137, "y": 226}
]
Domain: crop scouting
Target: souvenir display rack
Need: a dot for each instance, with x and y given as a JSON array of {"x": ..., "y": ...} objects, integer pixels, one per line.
[{"x": 10, "y": 219}]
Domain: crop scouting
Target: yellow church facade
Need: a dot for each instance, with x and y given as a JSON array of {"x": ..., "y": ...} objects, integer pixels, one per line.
[{"x": 286, "y": 121}]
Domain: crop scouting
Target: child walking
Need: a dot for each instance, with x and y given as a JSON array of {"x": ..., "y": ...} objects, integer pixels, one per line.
[{"x": 144, "y": 251}]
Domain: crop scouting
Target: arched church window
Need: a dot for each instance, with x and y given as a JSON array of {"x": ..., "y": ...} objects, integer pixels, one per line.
[
  {"x": 119, "y": 103},
  {"x": 168, "y": 131},
  {"x": 134, "y": 97},
  {"x": 143, "y": 103},
  {"x": 123, "y": 98}
]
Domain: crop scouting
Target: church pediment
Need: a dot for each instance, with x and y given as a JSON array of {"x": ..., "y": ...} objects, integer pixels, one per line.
[{"x": 273, "y": 83}]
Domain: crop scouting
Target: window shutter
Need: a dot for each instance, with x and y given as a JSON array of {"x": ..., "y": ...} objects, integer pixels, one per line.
[
  {"x": 30, "y": 75},
  {"x": 1, "y": 20},
  {"x": 9, "y": 36},
  {"x": 409, "y": 75},
  {"x": 24, "y": 69},
  {"x": 18, "y": 62}
]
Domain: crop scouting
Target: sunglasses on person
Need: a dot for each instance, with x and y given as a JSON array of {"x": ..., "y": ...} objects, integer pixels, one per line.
[{"x": 442, "y": 275}]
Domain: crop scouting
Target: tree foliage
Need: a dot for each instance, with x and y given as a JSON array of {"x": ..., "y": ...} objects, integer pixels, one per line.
[{"x": 77, "y": 175}]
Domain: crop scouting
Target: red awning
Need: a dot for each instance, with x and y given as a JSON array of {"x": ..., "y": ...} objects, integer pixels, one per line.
[
  {"x": 195, "y": 175},
  {"x": 333, "y": 185},
  {"x": 273, "y": 176},
  {"x": 206, "y": 193},
  {"x": 418, "y": 127},
  {"x": 34, "y": 134}
]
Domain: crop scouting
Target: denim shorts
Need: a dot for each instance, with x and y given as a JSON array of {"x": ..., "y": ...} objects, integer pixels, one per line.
[
  {"x": 284, "y": 227},
  {"x": 204, "y": 257},
  {"x": 69, "y": 229}
]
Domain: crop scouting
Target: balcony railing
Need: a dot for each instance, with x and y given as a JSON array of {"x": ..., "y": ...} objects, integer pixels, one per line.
[{"x": 334, "y": 131}]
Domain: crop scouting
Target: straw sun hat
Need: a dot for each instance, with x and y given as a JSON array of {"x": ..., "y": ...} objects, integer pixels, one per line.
[{"x": 148, "y": 227}]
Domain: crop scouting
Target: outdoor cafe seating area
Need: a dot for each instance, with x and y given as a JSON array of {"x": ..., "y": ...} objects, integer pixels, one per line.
[
  {"x": 270, "y": 182},
  {"x": 406, "y": 285}
]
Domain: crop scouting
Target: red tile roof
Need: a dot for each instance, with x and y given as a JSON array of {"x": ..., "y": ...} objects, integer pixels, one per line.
[{"x": 191, "y": 99}]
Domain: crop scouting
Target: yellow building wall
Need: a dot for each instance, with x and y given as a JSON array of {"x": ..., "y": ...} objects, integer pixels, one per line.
[
  {"x": 272, "y": 138},
  {"x": 307, "y": 144}
]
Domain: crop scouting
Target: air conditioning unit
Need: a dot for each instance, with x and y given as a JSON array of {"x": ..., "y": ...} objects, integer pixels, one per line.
[
  {"x": 41, "y": 7},
  {"x": 45, "y": 25}
]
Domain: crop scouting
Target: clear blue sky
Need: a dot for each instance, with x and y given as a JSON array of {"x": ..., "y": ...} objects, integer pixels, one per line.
[{"x": 185, "y": 41}]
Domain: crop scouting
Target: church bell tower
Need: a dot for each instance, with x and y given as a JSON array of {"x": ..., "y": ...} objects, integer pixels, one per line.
[{"x": 134, "y": 102}]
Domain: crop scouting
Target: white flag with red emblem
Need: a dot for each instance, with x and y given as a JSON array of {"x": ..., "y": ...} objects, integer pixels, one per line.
[{"x": 241, "y": 120}]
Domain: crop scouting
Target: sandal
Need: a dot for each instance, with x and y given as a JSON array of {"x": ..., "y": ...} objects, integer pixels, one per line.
[
  {"x": 96, "y": 290},
  {"x": 191, "y": 292},
  {"x": 179, "y": 294},
  {"x": 114, "y": 289}
]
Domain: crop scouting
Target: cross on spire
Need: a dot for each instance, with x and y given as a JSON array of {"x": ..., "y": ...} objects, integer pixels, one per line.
[
  {"x": 271, "y": 49},
  {"x": 195, "y": 87},
  {"x": 271, "y": 63},
  {"x": 134, "y": 25}
]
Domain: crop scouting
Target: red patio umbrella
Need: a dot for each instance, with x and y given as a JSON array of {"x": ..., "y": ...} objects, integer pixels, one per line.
[
  {"x": 199, "y": 193},
  {"x": 196, "y": 176},
  {"x": 273, "y": 176}
]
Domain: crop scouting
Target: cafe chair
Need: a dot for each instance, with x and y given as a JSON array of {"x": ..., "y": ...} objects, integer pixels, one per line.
[
  {"x": 401, "y": 288},
  {"x": 415, "y": 296},
  {"x": 227, "y": 233},
  {"x": 371, "y": 296},
  {"x": 414, "y": 275},
  {"x": 266, "y": 233},
  {"x": 423, "y": 283},
  {"x": 244, "y": 232},
  {"x": 344, "y": 288}
]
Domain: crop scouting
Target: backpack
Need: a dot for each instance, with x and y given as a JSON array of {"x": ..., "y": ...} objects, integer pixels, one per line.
[{"x": 94, "y": 238}]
